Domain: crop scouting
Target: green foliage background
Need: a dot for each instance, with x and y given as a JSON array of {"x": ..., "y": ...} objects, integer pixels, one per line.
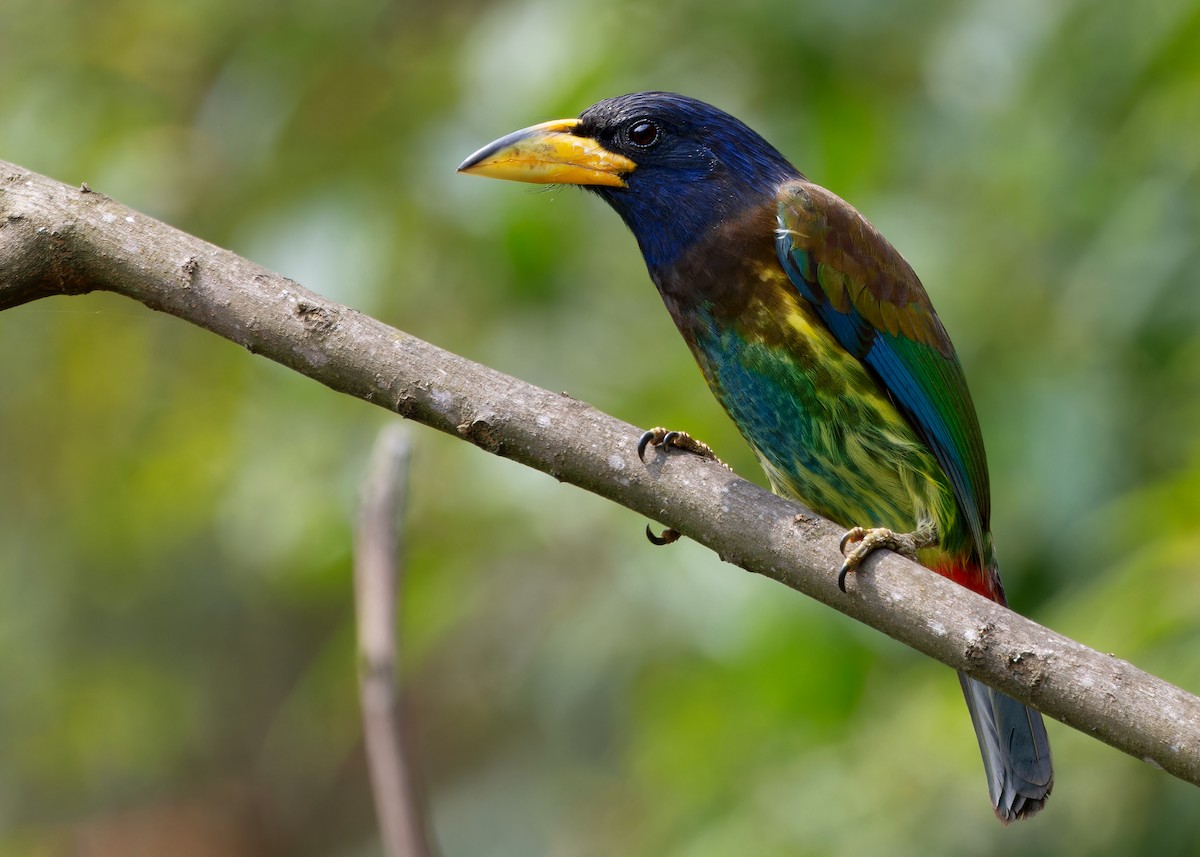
[{"x": 176, "y": 642}]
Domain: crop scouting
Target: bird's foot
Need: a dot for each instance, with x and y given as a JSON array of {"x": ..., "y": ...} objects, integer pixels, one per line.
[
  {"x": 668, "y": 535},
  {"x": 660, "y": 436},
  {"x": 867, "y": 541}
]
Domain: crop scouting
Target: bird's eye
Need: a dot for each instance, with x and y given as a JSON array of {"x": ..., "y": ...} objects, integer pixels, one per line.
[{"x": 643, "y": 133}]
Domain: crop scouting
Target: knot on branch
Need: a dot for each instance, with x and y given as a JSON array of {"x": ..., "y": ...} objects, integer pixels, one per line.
[
  {"x": 1030, "y": 667},
  {"x": 480, "y": 431},
  {"x": 977, "y": 649},
  {"x": 316, "y": 318},
  {"x": 188, "y": 270}
]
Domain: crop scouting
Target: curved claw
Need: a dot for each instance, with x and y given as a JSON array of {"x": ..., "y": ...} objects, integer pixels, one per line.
[
  {"x": 866, "y": 546},
  {"x": 853, "y": 559},
  {"x": 854, "y": 534},
  {"x": 650, "y": 437},
  {"x": 668, "y": 536}
]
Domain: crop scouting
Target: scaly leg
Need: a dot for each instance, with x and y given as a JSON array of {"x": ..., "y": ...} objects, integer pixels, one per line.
[
  {"x": 871, "y": 540},
  {"x": 660, "y": 436}
]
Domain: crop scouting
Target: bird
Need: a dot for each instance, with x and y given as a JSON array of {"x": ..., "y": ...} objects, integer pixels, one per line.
[{"x": 819, "y": 341}]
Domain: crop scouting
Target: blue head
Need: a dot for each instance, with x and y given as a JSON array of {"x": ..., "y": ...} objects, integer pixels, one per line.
[
  {"x": 697, "y": 166},
  {"x": 671, "y": 166}
]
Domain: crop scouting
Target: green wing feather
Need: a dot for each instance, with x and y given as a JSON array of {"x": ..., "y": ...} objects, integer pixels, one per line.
[{"x": 877, "y": 309}]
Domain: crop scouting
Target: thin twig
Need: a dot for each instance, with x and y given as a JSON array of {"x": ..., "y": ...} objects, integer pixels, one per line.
[{"x": 378, "y": 577}]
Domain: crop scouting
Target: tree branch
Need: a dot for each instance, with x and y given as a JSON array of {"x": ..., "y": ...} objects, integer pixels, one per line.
[{"x": 55, "y": 239}]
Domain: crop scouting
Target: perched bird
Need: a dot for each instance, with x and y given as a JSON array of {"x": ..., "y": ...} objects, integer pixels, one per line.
[{"x": 819, "y": 341}]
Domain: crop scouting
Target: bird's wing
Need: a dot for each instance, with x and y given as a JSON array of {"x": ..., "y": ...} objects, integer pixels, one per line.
[{"x": 873, "y": 303}]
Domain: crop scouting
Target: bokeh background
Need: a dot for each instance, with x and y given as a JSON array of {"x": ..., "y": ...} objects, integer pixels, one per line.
[{"x": 177, "y": 673}]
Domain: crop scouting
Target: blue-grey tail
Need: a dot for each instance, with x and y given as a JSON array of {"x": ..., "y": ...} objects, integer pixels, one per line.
[{"x": 1015, "y": 748}]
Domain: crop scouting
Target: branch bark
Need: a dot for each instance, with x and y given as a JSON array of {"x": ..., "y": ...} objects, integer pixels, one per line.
[{"x": 56, "y": 239}]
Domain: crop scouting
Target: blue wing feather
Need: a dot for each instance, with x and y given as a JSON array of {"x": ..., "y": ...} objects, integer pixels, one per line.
[{"x": 883, "y": 317}]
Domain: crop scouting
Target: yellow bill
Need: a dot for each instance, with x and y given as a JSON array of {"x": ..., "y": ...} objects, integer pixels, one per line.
[{"x": 549, "y": 153}]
